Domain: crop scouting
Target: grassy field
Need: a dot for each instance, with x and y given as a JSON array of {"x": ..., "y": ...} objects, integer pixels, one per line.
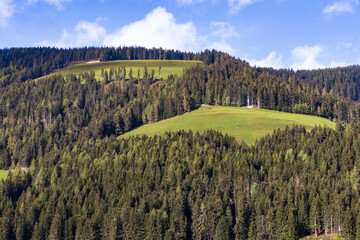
[
  {"x": 242, "y": 123},
  {"x": 168, "y": 67},
  {"x": 3, "y": 174}
]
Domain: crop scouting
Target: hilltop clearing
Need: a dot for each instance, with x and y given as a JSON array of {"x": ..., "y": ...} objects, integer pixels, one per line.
[
  {"x": 242, "y": 123},
  {"x": 157, "y": 69}
]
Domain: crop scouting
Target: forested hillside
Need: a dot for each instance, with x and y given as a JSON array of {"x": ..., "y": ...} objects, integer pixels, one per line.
[
  {"x": 189, "y": 186},
  {"x": 84, "y": 183},
  {"x": 341, "y": 81}
]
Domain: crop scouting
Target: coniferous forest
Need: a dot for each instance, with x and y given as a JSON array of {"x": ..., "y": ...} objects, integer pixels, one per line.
[{"x": 83, "y": 181}]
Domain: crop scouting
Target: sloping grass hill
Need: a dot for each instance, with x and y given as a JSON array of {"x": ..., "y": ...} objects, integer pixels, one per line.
[
  {"x": 244, "y": 124},
  {"x": 162, "y": 68}
]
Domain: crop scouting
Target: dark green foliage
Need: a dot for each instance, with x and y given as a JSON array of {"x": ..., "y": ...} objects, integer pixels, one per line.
[
  {"x": 222, "y": 229},
  {"x": 344, "y": 82},
  {"x": 357, "y": 234},
  {"x": 349, "y": 225},
  {"x": 186, "y": 185}
]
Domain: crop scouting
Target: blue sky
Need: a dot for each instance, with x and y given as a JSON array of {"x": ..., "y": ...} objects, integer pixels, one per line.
[{"x": 298, "y": 34}]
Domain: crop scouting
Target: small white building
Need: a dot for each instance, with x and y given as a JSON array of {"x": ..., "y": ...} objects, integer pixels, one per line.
[{"x": 94, "y": 61}]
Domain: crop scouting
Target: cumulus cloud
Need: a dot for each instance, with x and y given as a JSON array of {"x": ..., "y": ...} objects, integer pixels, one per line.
[
  {"x": 6, "y": 11},
  {"x": 158, "y": 29},
  {"x": 302, "y": 58},
  {"x": 7, "y": 8},
  {"x": 223, "y": 30},
  {"x": 221, "y": 46},
  {"x": 272, "y": 60},
  {"x": 306, "y": 57},
  {"x": 347, "y": 44},
  {"x": 57, "y": 3},
  {"x": 85, "y": 34},
  {"x": 188, "y": 2},
  {"x": 236, "y": 5},
  {"x": 334, "y": 64},
  {"x": 338, "y": 8}
]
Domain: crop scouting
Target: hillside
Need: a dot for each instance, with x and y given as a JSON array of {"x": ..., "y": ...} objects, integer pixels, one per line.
[
  {"x": 244, "y": 124},
  {"x": 86, "y": 182},
  {"x": 160, "y": 68}
]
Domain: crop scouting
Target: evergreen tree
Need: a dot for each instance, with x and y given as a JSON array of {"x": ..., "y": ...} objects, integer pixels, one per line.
[
  {"x": 348, "y": 231},
  {"x": 223, "y": 229}
]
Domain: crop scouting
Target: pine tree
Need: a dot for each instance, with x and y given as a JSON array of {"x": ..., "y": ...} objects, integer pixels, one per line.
[
  {"x": 348, "y": 231},
  {"x": 357, "y": 233},
  {"x": 56, "y": 229},
  {"x": 223, "y": 229},
  {"x": 6, "y": 225},
  {"x": 291, "y": 226}
]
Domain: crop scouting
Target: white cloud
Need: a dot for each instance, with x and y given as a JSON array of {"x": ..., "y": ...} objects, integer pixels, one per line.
[
  {"x": 89, "y": 32},
  {"x": 221, "y": 46},
  {"x": 358, "y": 61},
  {"x": 302, "y": 57},
  {"x": 338, "y": 8},
  {"x": 223, "y": 30},
  {"x": 158, "y": 29},
  {"x": 346, "y": 44},
  {"x": 236, "y": 5},
  {"x": 6, "y": 11},
  {"x": 188, "y": 2},
  {"x": 272, "y": 60},
  {"x": 57, "y": 3},
  {"x": 334, "y": 64},
  {"x": 85, "y": 34},
  {"x": 306, "y": 57}
]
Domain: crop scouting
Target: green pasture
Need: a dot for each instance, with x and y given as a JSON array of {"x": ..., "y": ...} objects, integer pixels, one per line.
[
  {"x": 166, "y": 67},
  {"x": 243, "y": 123}
]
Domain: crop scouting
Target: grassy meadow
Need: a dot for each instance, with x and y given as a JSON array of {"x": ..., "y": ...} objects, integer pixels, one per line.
[
  {"x": 245, "y": 124},
  {"x": 174, "y": 67}
]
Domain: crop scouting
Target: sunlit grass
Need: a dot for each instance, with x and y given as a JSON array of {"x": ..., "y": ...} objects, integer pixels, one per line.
[
  {"x": 162, "y": 68},
  {"x": 243, "y": 123}
]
